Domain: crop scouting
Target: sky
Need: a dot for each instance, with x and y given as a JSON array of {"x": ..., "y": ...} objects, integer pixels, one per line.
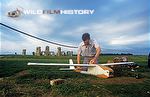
[{"x": 119, "y": 26}]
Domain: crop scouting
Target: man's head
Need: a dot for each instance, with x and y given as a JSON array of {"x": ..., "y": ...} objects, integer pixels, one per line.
[{"x": 86, "y": 38}]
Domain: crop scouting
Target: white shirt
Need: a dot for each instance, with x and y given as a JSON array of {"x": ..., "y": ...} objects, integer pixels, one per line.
[{"x": 89, "y": 50}]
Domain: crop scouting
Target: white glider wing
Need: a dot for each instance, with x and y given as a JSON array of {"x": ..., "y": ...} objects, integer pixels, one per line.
[
  {"x": 60, "y": 64},
  {"x": 82, "y": 65},
  {"x": 71, "y": 65},
  {"x": 120, "y": 63}
]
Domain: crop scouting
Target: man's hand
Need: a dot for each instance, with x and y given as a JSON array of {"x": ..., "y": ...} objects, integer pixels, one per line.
[
  {"x": 98, "y": 50},
  {"x": 93, "y": 61}
]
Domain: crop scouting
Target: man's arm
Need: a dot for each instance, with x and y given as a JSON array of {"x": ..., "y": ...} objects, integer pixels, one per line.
[
  {"x": 98, "y": 51},
  {"x": 79, "y": 53},
  {"x": 78, "y": 58}
]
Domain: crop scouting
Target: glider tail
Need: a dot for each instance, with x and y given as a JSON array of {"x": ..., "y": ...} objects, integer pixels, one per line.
[{"x": 71, "y": 62}]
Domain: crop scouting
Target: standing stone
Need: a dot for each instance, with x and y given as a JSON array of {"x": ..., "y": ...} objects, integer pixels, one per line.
[
  {"x": 69, "y": 53},
  {"x": 59, "y": 51},
  {"x": 38, "y": 51},
  {"x": 33, "y": 53},
  {"x": 47, "y": 52},
  {"x": 24, "y": 52}
]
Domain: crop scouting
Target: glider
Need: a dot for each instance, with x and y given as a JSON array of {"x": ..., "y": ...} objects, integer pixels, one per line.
[{"x": 99, "y": 70}]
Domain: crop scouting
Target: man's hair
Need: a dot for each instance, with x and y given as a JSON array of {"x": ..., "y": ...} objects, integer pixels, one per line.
[{"x": 85, "y": 36}]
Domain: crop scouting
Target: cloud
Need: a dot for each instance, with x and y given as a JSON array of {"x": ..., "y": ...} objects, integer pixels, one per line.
[
  {"x": 30, "y": 45},
  {"x": 27, "y": 4},
  {"x": 122, "y": 36},
  {"x": 127, "y": 40},
  {"x": 108, "y": 29},
  {"x": 116, "y": 27},
  {"x": 35, "y": 24},
  {"x": 32, "y": 24},
  {"x": 46, "y": 17}
]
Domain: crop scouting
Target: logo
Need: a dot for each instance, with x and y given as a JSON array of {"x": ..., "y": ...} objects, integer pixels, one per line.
[
  {"x": 18, "y": 12},
  {"x": 15, "y": 13}
]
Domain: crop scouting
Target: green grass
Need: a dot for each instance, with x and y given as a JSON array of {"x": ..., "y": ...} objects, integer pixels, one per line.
[{"x": 19, "y": 80}]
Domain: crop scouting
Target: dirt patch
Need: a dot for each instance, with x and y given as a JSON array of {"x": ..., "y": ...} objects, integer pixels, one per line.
[
  {"x": 22, "y": 73},
  {"x": 119, "y": 80},
  {"x": 38, "y": 81}
]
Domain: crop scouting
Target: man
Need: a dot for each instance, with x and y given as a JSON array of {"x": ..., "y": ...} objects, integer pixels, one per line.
[{"x": 89, "y": 49}]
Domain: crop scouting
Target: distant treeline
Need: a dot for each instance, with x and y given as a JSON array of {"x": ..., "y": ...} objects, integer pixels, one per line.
[
  {"x": 76, "y": 54},
  {"x": 112, "y": 54},
  {"x": 116, "y": 54}
]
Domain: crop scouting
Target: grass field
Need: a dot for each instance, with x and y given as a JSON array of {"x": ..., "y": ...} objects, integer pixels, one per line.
[{"x": 19, "y": 80}]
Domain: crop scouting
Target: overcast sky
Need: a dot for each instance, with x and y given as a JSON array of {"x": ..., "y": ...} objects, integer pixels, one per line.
[{"x": 119, "y": 26}]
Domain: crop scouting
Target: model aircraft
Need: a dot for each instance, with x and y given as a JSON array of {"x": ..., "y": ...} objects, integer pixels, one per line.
[{"x": 99, "y": 70}]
